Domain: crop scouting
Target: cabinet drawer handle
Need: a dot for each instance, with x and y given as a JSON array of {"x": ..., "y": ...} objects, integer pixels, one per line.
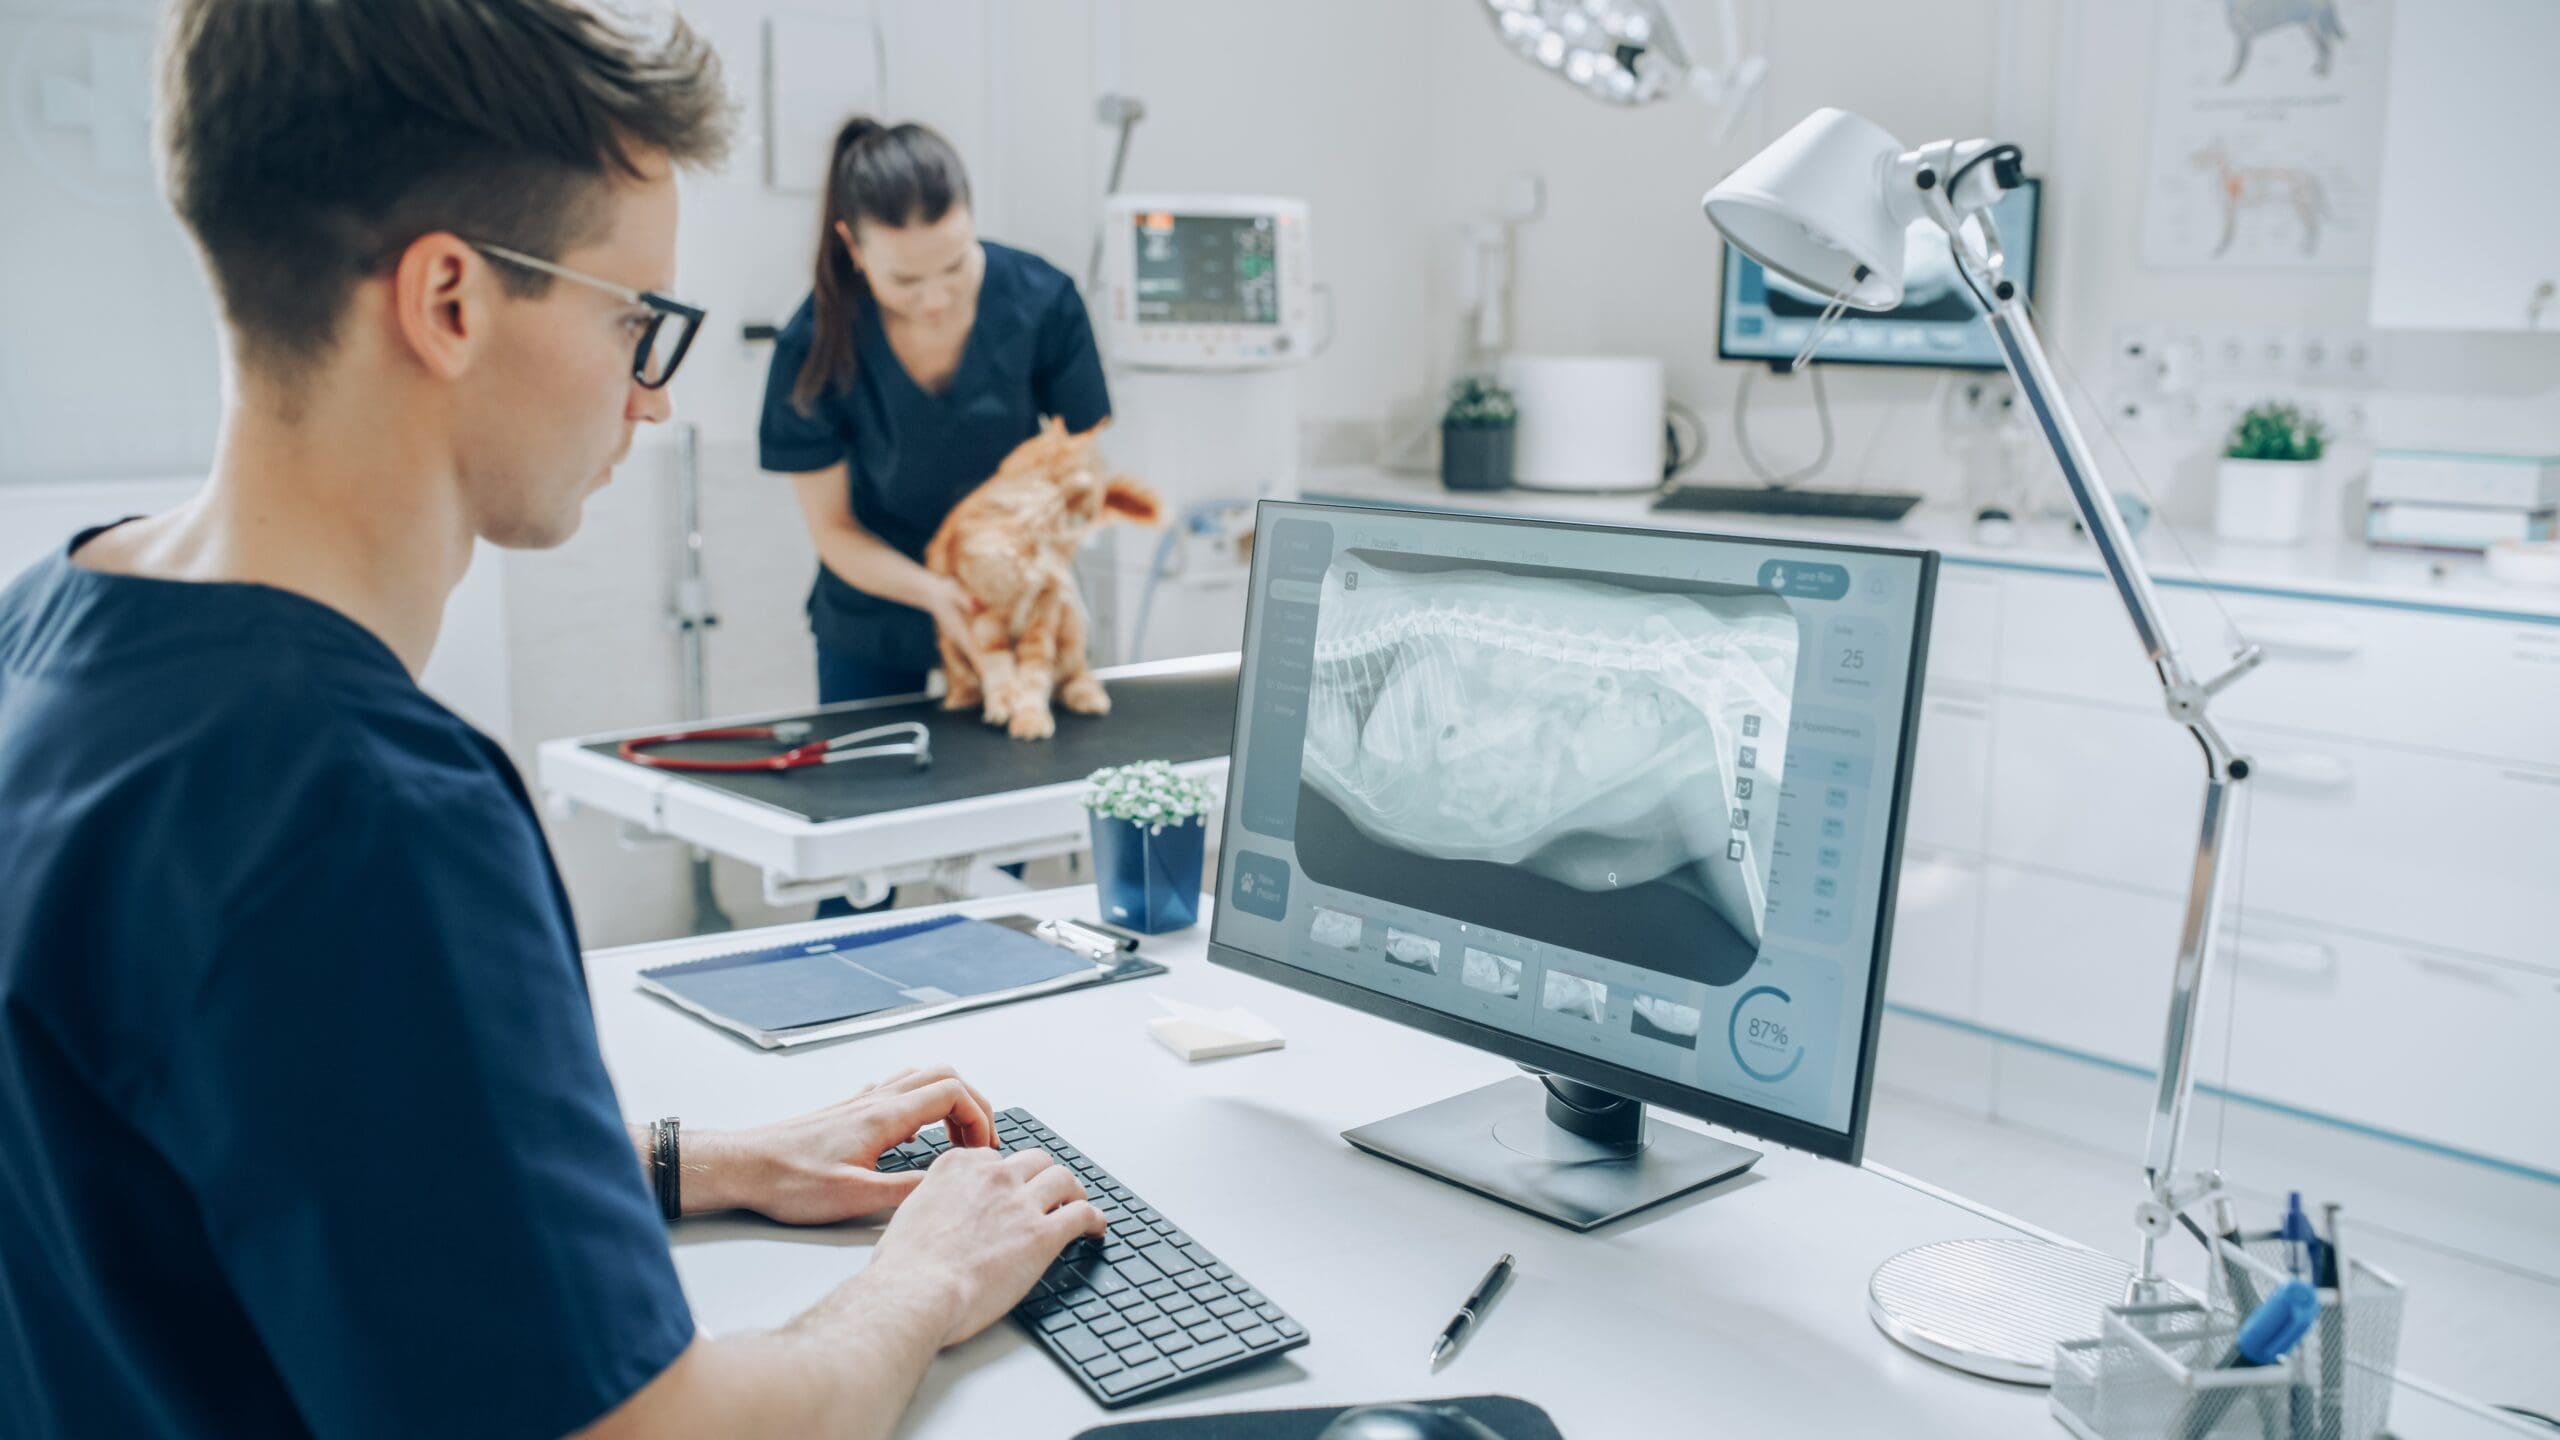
[
  {"x": 2306, "y": 770},
  {"x": 2307, "y": 958},
  {"x": 2479, "y": 975},
  {"x": 2316, "y": 639}
]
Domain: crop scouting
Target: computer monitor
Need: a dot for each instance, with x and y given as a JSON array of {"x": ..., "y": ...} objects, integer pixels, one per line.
[
  {"x": 1939, "y": 322},
  {"x": 1622, "y": 805}
]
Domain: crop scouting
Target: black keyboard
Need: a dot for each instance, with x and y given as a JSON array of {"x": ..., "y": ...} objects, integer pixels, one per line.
[
  {"x": 1764, "y": 500},
  {"x": 1142, "y": 1311}
]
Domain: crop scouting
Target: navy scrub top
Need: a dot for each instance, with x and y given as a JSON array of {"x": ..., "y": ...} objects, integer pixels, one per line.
[
  {"x": 911, "y": 455},
  {"x": 303, "y": 1127}
]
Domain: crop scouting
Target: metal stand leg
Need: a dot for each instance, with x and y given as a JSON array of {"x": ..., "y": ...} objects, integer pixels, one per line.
[
  {"x": 1582, "y": 1158},
  {"x": 1998, "y": 1307}
]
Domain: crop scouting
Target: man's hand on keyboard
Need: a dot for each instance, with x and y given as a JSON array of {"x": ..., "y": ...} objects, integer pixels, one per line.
[
  {"x": 979, "y": 1229},
  {"x": 816, "y": 1169}
]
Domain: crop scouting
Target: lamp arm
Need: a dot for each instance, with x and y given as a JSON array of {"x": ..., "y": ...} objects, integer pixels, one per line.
[{"x": 2187, "y": 702}]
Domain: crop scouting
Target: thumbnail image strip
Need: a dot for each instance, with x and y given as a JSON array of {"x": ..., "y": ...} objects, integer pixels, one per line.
[{"x": 1493, "y": 974}]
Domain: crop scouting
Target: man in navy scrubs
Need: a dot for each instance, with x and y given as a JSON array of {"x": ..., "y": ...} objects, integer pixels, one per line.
[{"x": 303, "y": 1127}]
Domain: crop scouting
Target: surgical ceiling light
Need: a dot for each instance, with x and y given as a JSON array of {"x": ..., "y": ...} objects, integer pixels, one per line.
[
  {"x": 1826, "y": 205},
  {"x": 1627, "y": 52}
]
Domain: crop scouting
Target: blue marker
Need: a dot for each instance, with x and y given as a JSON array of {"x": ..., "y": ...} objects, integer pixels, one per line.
[
  {"x": 2274, "y": 1328},
  {"x": 2267, "y": 1336}
]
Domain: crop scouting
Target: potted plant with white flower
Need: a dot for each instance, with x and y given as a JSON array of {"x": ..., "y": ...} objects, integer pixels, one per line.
[
  {"x": 2268, "y": 488},
  {"x": 1150, "y": 833}
]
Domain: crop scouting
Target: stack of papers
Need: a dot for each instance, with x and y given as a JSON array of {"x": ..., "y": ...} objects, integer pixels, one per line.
[{"x": 1196, "y": 1032}]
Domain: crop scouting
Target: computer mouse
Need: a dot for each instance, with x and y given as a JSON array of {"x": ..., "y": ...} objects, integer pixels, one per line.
[{"x": 1407, "y": 1422}]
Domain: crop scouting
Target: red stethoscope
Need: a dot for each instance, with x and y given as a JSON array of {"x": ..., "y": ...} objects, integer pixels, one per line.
[{"x": 861, "y": 744}]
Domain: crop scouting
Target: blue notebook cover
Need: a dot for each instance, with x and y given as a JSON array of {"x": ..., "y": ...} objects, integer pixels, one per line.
[{"x": 842, "y": 977}]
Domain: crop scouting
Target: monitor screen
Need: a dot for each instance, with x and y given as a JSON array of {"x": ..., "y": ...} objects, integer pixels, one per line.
[
  {"x": 1938, "y": 323},
  {"x": 1207, "y": 269},
  {"x": 1622, "y": 804}
]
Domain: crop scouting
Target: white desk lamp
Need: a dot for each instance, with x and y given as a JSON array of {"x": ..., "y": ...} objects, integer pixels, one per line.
[{"x": 1827, "y": 205}]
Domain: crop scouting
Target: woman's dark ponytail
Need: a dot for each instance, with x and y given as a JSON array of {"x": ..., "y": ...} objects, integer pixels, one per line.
[{"x": 894, "y": 175}]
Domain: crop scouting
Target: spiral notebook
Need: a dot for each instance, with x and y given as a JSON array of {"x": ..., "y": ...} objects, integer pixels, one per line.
[{"x": 876, "y": 979}]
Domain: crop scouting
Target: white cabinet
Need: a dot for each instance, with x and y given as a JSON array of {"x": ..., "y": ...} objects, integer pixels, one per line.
[
  {"x": 2477, "y": 685},
  {"x": 1964, "y": 632},
  {"x": 2435, "y": 848},
  {"x": 1935, "y": 940},
  {"x": 2112, "y": 794},
  {"x": 2404, "y": 678},
  {"x": 2403, "y": 1038},
  {"x": 2391, "y": 940},
  {"x": 1951, "y": 772},
  {"x": 2467, "y": 229},
  {"x": 2081, "y": 965}
]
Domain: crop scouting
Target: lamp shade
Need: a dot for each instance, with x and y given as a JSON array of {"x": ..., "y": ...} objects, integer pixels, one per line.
[{"x": 1812, "y": 207}]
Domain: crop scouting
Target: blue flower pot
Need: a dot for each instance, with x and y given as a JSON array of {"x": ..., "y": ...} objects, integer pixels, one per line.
[{"x": 1149, "y": 883}]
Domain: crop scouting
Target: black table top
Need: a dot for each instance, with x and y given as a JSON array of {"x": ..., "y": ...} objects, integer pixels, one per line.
[{"x": 1180, "y": 718}]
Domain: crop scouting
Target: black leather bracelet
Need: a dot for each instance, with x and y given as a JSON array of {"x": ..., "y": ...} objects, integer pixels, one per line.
[{"x": 666, "y": 1167}]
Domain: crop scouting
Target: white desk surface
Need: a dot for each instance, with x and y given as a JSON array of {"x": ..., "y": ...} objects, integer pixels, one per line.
[{"x": 1737, "y": 1311}]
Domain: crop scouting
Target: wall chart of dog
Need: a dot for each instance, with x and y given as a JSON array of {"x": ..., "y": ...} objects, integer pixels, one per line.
[{"x": 1012, "y": 544}]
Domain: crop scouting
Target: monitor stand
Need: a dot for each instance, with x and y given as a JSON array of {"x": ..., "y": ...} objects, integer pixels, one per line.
[{"x": 1580, "y": 1157}]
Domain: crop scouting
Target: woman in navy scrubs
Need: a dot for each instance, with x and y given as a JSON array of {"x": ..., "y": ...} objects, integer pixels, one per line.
[{"x": 921, "y": 358}]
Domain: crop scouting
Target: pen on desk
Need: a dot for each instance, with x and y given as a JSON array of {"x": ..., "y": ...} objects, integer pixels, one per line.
[
  {"x": 2226, "y": 1221},
  {"x": 1465, "y": 1319},
  {"x": 2333, "y": 1327},
  {"x": 2266, "y": 1337}
]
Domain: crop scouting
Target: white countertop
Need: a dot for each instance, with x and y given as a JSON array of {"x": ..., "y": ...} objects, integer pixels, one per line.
[
  {"x": 1740, "y": 1310},
  {"x": 2323, "y": 570}
]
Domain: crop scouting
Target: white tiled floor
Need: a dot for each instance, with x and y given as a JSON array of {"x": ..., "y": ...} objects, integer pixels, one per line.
[{"x": 2487, "y": 1331}]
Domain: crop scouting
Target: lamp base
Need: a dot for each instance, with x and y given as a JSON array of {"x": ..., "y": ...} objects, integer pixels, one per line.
[{"x": 1995, "y": 1308}]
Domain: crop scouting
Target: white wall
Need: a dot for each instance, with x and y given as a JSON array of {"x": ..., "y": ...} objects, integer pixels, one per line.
[
  {"x": 108, "y": 365},
  {"x": 1622, "y": 260}
]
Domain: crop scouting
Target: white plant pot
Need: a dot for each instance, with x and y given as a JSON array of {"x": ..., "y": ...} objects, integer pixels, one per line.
[{"x": 2266, "y": 502}]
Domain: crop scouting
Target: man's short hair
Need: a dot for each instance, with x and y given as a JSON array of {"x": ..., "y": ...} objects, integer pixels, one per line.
[{"x": 308, "y": 143}]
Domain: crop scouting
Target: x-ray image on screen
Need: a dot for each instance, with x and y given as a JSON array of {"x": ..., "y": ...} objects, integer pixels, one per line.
[
  {"x": 1493, "y": 974},
  {"x": 1593, "y": 762},
  {"x": 1667, "y": 1021}
]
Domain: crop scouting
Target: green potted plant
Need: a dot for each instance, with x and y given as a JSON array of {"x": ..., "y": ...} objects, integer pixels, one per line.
[
  {"x": 2269, "y": 484},
  {"x": 1475, "y": 435},
  {"x": 1150, "y": 828}
]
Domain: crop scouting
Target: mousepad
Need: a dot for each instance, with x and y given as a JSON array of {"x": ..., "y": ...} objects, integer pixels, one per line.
[
  {"x": 1507, "y": 1416},
  {"x": 1153, "y": 717}
]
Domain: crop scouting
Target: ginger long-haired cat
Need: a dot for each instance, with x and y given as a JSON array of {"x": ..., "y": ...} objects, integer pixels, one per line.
[{"x": 1011, "y": 544}]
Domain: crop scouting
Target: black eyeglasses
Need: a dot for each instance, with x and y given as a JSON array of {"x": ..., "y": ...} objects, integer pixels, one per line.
[{"x": 662, "y": 345}]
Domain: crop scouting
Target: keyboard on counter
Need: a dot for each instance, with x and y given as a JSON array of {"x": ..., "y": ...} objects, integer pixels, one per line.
[
  {"x": 1790, "y": 503},
  {"x": 1141, "y": 1312}
]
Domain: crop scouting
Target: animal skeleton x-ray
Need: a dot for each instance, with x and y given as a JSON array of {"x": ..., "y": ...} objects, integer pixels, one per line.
[{"x": 1580, "y": 731}]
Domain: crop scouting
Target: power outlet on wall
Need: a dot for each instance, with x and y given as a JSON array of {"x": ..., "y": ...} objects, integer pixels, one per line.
[{"x": 2199, "y": 381}]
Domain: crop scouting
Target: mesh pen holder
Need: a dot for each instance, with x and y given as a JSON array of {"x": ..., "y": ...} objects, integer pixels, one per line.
[{"x": 2155, "y": 1371}]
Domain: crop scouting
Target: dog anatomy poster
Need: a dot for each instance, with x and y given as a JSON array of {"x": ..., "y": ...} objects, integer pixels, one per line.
[{"x": 2266, "y": 133}]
